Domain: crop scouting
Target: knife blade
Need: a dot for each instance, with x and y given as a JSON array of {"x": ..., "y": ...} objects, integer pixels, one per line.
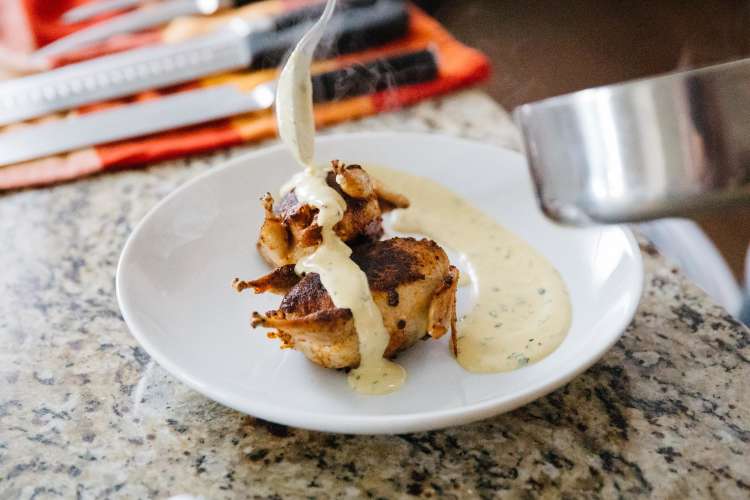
[
  {"x": 204, "y": 105},
  {"x": 155, "y": 67},
  {"x": 95, "y": 8},
  {"x": 179, "y": 110}
]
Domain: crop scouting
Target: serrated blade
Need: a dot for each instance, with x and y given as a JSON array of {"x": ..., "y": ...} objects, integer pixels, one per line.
[
  {"x": 122, "y": 74},
  {"x": 133, "y": 120}
]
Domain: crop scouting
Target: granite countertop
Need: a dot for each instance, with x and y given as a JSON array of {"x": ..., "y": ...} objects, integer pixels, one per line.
[{"x": 85, "y": 413}]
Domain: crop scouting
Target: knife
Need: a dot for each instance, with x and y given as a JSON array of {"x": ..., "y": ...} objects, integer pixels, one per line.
[
  {"x": 124, "y": 74},
  {"x": 204, "y": 105},
  {"x": 155, "y": 14},
  {"x": 137, "y": 20}
]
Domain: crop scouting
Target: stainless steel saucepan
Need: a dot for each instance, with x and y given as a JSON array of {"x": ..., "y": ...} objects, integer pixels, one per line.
[{"x": 650, "y": 148}]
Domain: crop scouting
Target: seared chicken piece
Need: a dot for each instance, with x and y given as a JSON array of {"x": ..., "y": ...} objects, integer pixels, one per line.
[
  {"x": 289, "y": 231},
  {"x": 411, "y": 281}
]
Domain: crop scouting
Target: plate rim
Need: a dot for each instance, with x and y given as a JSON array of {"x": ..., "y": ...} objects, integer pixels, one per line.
[{"x": 364, "y": 424}]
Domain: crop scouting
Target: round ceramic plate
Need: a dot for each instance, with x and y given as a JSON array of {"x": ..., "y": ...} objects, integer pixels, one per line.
[{"x": 174, "y": 276}]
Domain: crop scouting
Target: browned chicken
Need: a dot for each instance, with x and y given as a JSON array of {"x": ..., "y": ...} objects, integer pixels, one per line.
[
  {"x": 412, "y": 283},
  {"x": 289, "y": 231}
]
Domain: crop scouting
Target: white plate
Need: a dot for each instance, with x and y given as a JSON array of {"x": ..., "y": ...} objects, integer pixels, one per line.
[{"x": 173, "y": 285}]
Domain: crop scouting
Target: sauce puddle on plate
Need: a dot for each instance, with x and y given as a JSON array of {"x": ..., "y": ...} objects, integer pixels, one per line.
[{"x": 522, "y": 310}]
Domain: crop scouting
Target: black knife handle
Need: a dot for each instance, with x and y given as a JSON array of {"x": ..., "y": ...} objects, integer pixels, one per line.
[
  {"x": 304, "y": 13},
  {"x": 350, "y": 30},
  {"x": 312, "y": 12},
  {"x": 375, "y": 76}
]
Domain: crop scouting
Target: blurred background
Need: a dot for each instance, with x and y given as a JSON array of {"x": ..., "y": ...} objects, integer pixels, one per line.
[{"x": 541, "y": 49}]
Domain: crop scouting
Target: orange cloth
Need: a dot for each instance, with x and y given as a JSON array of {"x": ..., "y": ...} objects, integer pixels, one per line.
[{"x": 459, "y": 66}]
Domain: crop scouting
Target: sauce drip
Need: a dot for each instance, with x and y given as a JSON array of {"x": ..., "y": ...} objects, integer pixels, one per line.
[
  {"x": 345, "y": 282},
  {"x": 522, "y": 310}
]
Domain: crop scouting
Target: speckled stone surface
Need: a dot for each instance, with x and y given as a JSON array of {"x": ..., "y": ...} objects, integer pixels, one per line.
[{"x": 85, "y": 413}]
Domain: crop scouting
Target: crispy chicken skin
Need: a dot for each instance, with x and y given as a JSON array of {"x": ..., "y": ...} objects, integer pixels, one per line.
[
  {"x": 289, "y": 231},
  {"x": 412, "y": 283}
]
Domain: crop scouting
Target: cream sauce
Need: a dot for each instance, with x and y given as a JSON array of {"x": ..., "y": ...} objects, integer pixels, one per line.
[
  {"x": 522, "y": 310},
  {"x": 345, "y": 282}
]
